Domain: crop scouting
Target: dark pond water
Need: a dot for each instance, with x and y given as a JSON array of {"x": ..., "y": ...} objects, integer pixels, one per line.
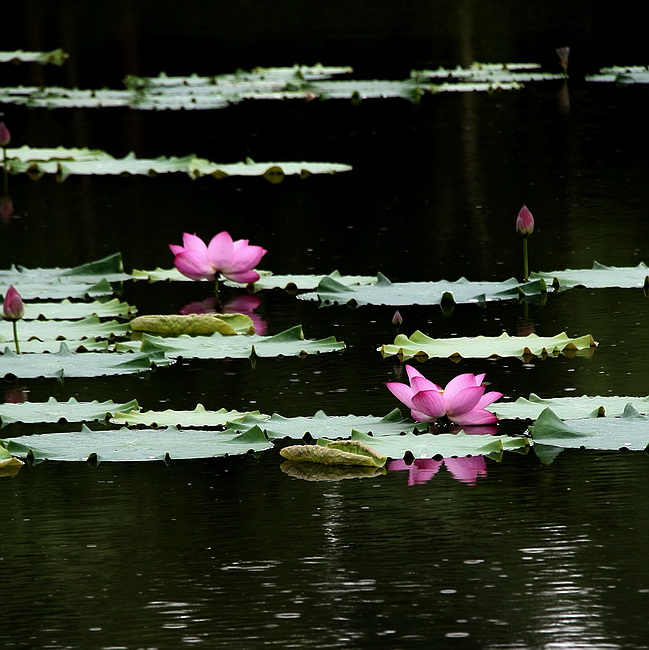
[{"x": 235, "y": 553}]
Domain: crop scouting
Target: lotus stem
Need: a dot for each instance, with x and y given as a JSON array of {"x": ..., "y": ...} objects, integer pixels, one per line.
[
  {"x": 17, "y": 344},
  {"x": 526, "y": 269},
  {"x": 216, "y": 292}
]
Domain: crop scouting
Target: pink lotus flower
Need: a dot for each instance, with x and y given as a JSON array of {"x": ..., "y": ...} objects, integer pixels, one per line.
[
  {"x": 13, "y": 307},
  {"x": 463, "y": 400},
  {"x": 232, "y": 259},
  {"x": 524, "y": 222},
  {"x": 5, "y": 135},
  {"x": 466, "y": 470}
]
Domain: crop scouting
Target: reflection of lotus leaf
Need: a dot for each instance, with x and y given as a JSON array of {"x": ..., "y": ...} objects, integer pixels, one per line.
[{"x": 316, "y": 472}]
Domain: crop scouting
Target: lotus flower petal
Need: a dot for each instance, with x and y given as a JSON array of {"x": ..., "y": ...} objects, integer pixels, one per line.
[
  {"x": 476, "y": 416},
  {"x": 430, "y": 402},
  {"x": 402, "y": 392}
]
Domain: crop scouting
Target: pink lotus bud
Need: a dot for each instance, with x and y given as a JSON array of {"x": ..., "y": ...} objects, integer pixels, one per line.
[
  {"x": 397, "y": 319},
  {"x": 5, "y": 135},
  {"x": 563, "y": 53},
  {"x": 13, "y": 307},
  {"x": 525, "y": 222}
]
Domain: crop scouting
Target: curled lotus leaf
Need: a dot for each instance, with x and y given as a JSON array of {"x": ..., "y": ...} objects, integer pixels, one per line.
[
  {"x": 316, "y": 472},
  {"x": 9, "y": 465},
  {"x": 194, "y": 324},
  {"x": 341, "y": 452}
]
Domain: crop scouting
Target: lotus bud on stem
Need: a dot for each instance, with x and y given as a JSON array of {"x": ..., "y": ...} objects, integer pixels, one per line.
[
  {"x": 13, "y": 309},
  {"x": 563, "y": 54},
  {"x": 525, "y": 227}
]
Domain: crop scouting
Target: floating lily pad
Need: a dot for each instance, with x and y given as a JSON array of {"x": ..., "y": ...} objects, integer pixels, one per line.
[
  {"x": 35, "y": 346},
  {"x": 420, "y": 345},
  {"x": 77, "y": 364},
  {"x": 67, "y": 310},
  {"x": 493, "y": 73},
  {"x": 55, "y": 411},
  {"x": 64, "y": 162},
  {"x": 344, "y": 452},
  {"x": 445, "y": 445},
  {"x": 56, "y": 57},
  {"x": 135, "y": 445},
  {"x": 331, "y": 426},
  {"x": 288, "y": 343},
  {"x": 50, "y": 330},
  {"x": 632, "y": 74},
  {"x": 198, "y": 418},
  {"x": 384, "y": 292},
  {"x": 631, "y": 431},
  {"x": 194, "y": 324},
  {"x": 568, "y": 408},
  {"x": 599, "y": 277}
]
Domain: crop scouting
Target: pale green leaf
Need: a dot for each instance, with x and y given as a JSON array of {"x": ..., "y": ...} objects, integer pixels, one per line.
[
  {"x": 384, "y": 292},
  {"x": 427, "y": 445},
  {"x": 198, "y": 418},
  {"x": 76, "y": 364},
  {"x": 67, "y": 310},
  {"x": 631, "y": 431},
  {"x": 135, "y": 445},
  {"x": 75, "y": 330},
  {"x": 288, "y": 343},
  {"x": 420, "y": 345},
  {"x": 599, "y": 277},
  {"x": 56, "y": 57},
  {"x": 55, "y": 411},
  {"x": 65, "y": 162},
  {"x": 631, "y": 74},
  {"x": 567, "y": 408},
  {"x": 322, "y": 425}
]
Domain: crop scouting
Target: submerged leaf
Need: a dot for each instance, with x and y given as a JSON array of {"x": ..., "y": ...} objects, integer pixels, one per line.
[{"x": 420, "y": 345}]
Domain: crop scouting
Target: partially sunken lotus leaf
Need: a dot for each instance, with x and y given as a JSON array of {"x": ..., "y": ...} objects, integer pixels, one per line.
[
  {"x": 194, "y": 324},
  {"x": 344, "y": 452}
]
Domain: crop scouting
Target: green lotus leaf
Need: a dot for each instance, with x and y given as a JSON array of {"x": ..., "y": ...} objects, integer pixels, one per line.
[
  {"x": 631, "y": 431},
  {"x": 135, "y": 445},
  {"x": 599, "y": 277},
  {"x": 198, "y": 418},
  {"x": 291, "y": 342},
  {"x": 568, "y": 408},
  {"x": 352, "y": 453},
  {"x": 420, "y": 345},
  {"x": 67, "y": 310},
  {"x": 331, "y": 426},
  {"x": 50, "y": 330},
  {"x": 56, "y": 57},
  {"x": 494, "y": 73},
  {"x": 194, "y": 324},
  {"x": 64, "y": 162},
  {"x": 384, "y": 292},
  {"x": 77, "y": 364},
  {"x": 445, "y": 445},
  {"x": 632, "y": 74},
  {"x": 308, "y": 471},
  {"x": 9, "y": 465},
  {"x": 35, "y": 346},
  {"x": 55, "y": 411},
  {"x": 57, "y": 288}
]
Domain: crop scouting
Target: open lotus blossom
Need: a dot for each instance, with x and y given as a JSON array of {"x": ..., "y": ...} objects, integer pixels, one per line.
[
  {"x": 234, "y": 260},
  {"x": 463, "y": 400}
]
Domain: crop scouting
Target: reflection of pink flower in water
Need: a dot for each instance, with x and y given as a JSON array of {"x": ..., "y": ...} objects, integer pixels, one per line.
[
  {"x": 466, "y": 470},
  {"x": 240, "y": 305}
]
